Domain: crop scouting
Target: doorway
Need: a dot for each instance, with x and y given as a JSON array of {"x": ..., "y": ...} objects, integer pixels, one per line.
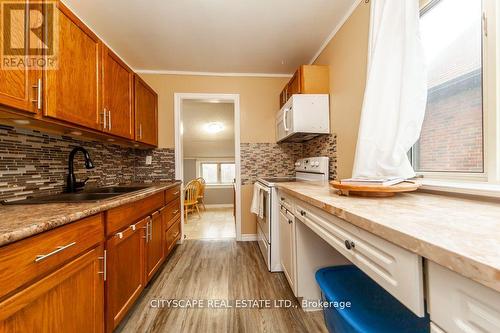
[{"x": 207, "y": 141}]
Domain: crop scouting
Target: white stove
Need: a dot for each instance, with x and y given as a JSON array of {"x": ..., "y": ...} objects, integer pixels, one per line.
[{"x": 306, "y": 169}]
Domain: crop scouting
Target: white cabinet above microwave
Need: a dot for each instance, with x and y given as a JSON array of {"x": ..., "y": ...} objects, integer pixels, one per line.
[{"x": 303, "y": 117}]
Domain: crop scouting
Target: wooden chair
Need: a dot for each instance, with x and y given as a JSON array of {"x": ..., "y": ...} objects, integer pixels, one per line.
[
  {"x": 201, "y": 195},
  {"x": 191, "y": 193}
]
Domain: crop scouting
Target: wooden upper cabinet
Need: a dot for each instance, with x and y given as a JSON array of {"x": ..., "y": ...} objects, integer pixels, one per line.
[
  {"x": 72, "y": 91},
  {"x": 308, "y": 79},
  {"x": 118, "y": 96},
  {"x": 18, "y": 84},
  {"x": 146, "y": 113}
]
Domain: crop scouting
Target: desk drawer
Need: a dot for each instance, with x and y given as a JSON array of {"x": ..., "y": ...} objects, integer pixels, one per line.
[
  {"x": 171, "y": 213},
  {"x": 458, "y": 304},
  {"x": 286, "y": 201},
  {"x": 31, "y": 258},
  {"x": 172, "y": 194},
  {"x": 395, "y": 269},
  {"x": 121, "y": 217},
  {"x": 172, "y": 236}
]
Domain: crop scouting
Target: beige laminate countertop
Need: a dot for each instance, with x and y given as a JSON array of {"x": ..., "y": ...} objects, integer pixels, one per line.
[
  {"x": 21, "y": 221},
  {"x": 460, "y": 234}
]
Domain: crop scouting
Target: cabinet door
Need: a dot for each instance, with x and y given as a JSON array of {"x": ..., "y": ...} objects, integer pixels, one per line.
[
  {"x": 118, "y": 98},
  {"x": 146, "y": 113},
  {"x": 125, "y": 271},
  {"x": 286, "y": 248},
  {"x": 19, "y": 87},
  {"x": 294, "y": 84},
  {"x": 154, "y": 244},
  {"x": 71, "y": 299},
  {"x": 72, "y": 91}
]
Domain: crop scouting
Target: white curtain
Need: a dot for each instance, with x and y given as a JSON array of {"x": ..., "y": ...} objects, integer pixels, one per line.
[{"x": 395, "y": 94}]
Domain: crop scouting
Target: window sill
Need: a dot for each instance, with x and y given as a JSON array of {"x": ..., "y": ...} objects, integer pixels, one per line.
[{"x": 458, "y": 187}]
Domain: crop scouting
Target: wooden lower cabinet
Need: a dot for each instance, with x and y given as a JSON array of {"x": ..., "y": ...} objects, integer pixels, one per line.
[
  {"x": 68, "y": 300},
  {"x": 125, "y": 271},
  {"x": 76, "y": 278},
  {"x": 154, "y": 244}
]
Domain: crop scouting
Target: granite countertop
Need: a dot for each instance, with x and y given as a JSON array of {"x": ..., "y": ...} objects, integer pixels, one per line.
[
  {"x": 460, "y": 234},
  {"x": 21, "y": 221}
]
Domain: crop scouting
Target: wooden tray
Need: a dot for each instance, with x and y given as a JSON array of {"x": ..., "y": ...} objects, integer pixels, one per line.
[{"x": 374, "y": 190}]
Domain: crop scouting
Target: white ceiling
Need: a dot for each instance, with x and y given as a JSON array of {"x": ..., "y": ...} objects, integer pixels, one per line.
[
  {"x": 224, "y": 36},
  {"x": 195, "y": 115},
  {"x": 199, "y": 143}
]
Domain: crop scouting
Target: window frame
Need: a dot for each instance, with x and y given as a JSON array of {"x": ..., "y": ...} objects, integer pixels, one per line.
[
  {"x": 218, "y": 161},
  {"x": 491, "y": 126}
]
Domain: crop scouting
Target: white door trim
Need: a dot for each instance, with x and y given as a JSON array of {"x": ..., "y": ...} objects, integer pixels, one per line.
[{"x": 235, "y": 98}]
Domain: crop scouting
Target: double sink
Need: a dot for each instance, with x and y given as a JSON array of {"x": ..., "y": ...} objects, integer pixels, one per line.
[{"x": 91, "y": 195}]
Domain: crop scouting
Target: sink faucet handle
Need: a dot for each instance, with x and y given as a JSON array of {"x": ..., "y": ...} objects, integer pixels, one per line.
[{"x": 81, "y": 184}]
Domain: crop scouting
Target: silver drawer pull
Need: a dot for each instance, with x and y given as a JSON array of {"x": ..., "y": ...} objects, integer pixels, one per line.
[
  {"x": 119, "y": 235},
  {"x": 41, "y": 257},
  {"x": 176, "y": 193},
  {"x": 132, "y": 227},
  {"x": 175, "y": 212}
]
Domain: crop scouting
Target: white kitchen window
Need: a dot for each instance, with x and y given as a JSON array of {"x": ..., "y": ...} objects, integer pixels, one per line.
[
  {"x": 459, "y": 137},
  {"x": 217, "y": 172}
]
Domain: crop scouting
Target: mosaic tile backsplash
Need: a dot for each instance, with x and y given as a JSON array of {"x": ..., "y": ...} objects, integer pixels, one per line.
[
  {"x": 323, "y": 146},
  {"x": 33, "y": 163},
  {"x": 272, "y": 159},
  {"x": 268, "y": 160}
]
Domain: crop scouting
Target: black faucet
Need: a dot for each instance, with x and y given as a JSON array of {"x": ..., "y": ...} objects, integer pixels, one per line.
[{"x": 71, "y": 184}]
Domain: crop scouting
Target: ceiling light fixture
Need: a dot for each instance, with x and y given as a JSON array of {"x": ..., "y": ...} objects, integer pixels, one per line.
[{"x": 214, "y": 127}]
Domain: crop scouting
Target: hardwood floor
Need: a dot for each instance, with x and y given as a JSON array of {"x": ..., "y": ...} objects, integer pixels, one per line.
[
  {"x": 215, "y": 223},
  {"x": 219, "y": 270}
]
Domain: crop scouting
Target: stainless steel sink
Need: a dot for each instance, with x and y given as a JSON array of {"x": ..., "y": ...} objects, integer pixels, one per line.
[{"x": 92, "y": 195}]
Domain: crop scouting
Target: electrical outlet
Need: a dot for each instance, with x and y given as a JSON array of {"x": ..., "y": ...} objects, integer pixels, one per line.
[{"x": 149, "y": 160}]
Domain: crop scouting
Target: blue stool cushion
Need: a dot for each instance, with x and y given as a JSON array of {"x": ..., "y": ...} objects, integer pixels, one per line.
[{"x": 372, "y": 309}]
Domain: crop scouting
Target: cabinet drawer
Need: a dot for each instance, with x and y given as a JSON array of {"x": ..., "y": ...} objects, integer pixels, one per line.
[
  {"x": 172, "y": 236},
  {"x": 29, "y": 259},
  {"x": 120, "y": 217},
  {"x": 458, "y": 304},
  {"x": 286, "y": 201},
  {"x": 395, "y": 269},
  {"x": 172, "y": 194},
  {"x": 171, "y": 213}
]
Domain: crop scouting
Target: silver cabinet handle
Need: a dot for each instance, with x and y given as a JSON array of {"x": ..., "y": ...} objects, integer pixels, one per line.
[
  {"x": 104, "y": 265},
  {"x": 109, "y": 119},
  {"x": 140, "y": 131},
  {"x": 119, "y": 235},
  {"x": 147, "y": 232},
  {"x": 177, "y": 193},
  {"x": 175, "y": 211},
  {"x": 132, "y": 226},
  {"x": 41, "y": 257},
  {"x": 38, "y": 99},
  {"x": 105, "y": 120},
  {"x": 150, "y": 230}
]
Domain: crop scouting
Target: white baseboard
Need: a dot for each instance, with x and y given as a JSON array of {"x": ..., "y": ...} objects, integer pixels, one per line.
[
  {"x": 219, "y": 206},
  {"x": 248, "y": 237}
]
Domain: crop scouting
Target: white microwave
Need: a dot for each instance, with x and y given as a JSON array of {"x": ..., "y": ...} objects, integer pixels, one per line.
[{"x": 303, "y": 117}]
